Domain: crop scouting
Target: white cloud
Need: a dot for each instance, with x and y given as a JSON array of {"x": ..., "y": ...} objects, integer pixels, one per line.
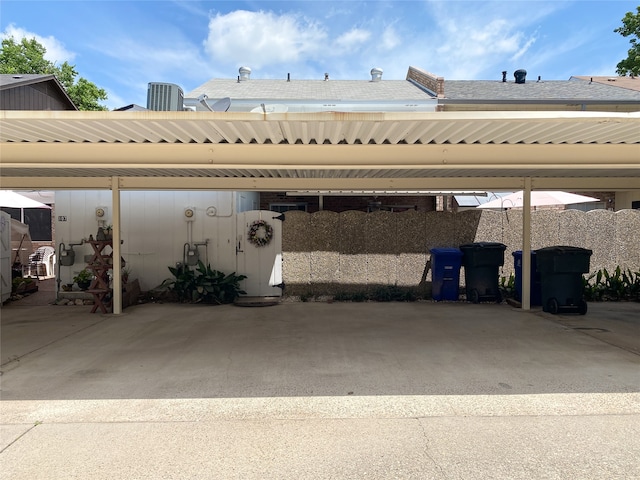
[
  {"x": 470, "y": 42},
  {"x": 56, "y": 52},
  {"x": 525, "y": 48},
  {"x": 262, "y": 38},
  {"x": 390, "y": 38},
  {"x": 352, "y": 39}
]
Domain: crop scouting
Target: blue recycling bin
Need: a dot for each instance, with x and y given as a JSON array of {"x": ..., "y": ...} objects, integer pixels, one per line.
[
  {"x": 536, "y": 287},
  {"x": 445, "y": 273}
]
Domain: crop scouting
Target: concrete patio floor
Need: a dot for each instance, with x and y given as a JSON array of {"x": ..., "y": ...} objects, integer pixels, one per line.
[{"x": 318, "y": 390}]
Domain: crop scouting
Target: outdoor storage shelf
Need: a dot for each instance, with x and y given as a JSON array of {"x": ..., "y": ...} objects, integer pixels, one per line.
[{"x": 100, "y": 264}]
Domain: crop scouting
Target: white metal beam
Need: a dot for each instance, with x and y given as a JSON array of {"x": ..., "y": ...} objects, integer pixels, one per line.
[
  {"x": 116, "y": 247},
  {"x": 526, "y": 245}
]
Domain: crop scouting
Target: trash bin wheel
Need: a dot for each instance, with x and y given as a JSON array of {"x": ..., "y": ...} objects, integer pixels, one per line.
[
  {"x": 552, "y": 306},
  {"x": 474, "y": 296},
  {"x": 582, "y": 307}
]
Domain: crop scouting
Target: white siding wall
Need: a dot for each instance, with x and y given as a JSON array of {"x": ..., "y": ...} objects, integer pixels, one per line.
[
  {"x": 247, "y": 201},
  {"x": 154, "y": 229}
]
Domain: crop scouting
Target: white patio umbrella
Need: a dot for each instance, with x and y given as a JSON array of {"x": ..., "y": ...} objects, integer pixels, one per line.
[
  {"x": 538, "y": 199},
  {"x": 9, "y": 198}
]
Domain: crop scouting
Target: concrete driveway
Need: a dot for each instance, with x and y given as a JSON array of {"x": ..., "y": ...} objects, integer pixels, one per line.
[{"x": 317, "y": 390}]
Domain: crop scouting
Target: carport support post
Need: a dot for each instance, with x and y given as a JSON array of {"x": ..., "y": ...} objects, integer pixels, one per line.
[
  {"x": 526, "y": 245},
  {"x": 117, "y": 266}
]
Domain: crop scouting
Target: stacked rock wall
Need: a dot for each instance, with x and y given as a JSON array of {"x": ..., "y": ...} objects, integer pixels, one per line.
[{"x": 327, "y": 252}]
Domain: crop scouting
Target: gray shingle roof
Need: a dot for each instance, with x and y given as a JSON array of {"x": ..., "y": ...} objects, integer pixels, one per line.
[
  {"x": 355, "y": 90},
  {"x": 399, "y": 90},
  {"x": 10, "y": 80},
  {"x": 555, "y": 90}
]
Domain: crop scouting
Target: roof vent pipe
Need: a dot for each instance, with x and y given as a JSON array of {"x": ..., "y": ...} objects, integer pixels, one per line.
[
  {"x": 520, "y": 75},
  {"x": 326, "y": 77},
  {"x": 376, "y": 74},
  {"x": 245, "y": 73},
  {"x": 504, "y": 76}
]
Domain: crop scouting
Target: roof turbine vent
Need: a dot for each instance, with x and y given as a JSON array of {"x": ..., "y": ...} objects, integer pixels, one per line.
[
  {"x": 520, "y": 75},
  {"x": 245, "y": 73},
  {"x": 376, "y": 74}
]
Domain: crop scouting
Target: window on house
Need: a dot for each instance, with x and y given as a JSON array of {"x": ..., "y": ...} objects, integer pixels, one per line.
[
  {"x": 285, "y": 207},
  {"x": 38, "y": 219}
]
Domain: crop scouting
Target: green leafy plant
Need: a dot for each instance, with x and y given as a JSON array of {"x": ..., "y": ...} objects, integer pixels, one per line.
[
  {"x": 508, "y": 286},
  {"x": 21, "y": 284},
  {"x": 83, "y": 279},
  {"x": 204, "y": 284},
  {"x": 616, "y": 286}
]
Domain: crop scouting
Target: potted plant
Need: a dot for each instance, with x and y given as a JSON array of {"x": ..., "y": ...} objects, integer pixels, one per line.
[{"x": 83, "y": 279}]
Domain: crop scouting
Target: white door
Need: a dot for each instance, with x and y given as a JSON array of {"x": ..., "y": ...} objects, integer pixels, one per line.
[{"x": 259, "y": 252}]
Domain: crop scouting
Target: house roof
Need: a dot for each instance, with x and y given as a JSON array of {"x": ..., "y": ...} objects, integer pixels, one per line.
[
  {"x": 12, "y": 80},
  {"x": 329, "y": 151},
  {"x": 631, "y": 83},
  {"x": 576, "y": 91},
  {"x": 131, "y": 107},
  {"x": 9, "y": 81},
  {"x": 321, "y": 90}
]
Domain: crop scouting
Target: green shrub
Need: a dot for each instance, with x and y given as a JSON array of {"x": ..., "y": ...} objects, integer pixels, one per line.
[
  {"x": 204, "y": 285},
  {"x": 508, "y": 286},
  {"x": 619, "y": 285},
  {"x": 18, "y": 282}
]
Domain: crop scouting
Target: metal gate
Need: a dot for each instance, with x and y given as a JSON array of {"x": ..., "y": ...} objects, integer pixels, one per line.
[{"x": 259, "y": 252}]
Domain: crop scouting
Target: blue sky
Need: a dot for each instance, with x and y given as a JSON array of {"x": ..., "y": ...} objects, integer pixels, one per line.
[{"x": 123, "y": 45}]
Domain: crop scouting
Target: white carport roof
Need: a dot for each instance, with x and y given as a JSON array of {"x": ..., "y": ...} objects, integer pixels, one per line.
[
  {"x": 320, "y": 151},
  {"x": 313, "y": 151}
]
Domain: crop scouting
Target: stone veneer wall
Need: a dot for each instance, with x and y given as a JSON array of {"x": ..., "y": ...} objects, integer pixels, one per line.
[{"x": 327, "y": 252}]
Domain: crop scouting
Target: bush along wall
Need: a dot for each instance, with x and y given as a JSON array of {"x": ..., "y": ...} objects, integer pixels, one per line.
[{"x": 616, "y": 286}]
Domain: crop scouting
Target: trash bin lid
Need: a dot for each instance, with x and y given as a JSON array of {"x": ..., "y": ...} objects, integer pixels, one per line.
[
  {"x": 564, "y": 250},
  {"x": 446, "y": 251},
  {"x": 481, "y": 245},
  {"x": 518, "y": 253}
]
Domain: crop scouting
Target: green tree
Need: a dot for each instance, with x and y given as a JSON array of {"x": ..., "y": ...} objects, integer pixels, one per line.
[
  {"x": 27, "y": 57},
  {"x": 630, "y": 28}
]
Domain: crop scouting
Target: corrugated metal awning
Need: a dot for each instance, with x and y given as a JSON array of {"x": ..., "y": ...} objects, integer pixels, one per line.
[{"x": 338, "y": 151}]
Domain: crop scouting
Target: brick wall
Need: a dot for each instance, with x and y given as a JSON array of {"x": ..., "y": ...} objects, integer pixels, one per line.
[
  {"x": 609, "y": 198},
  {"x": 427, "y": 80},
  {"x": 345, "y": 203}
]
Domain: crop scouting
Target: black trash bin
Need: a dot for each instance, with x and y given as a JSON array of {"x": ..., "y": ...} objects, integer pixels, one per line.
[
  {"x": 445, "y": 273},
  {"x": 536, "y": 287},
  {"x": 561, "y": 269},
  {"x": 481, "y": 261}
]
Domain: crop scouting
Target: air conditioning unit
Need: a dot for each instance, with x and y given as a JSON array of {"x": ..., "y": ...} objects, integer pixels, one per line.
[{"x": 164, "y": 97}]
